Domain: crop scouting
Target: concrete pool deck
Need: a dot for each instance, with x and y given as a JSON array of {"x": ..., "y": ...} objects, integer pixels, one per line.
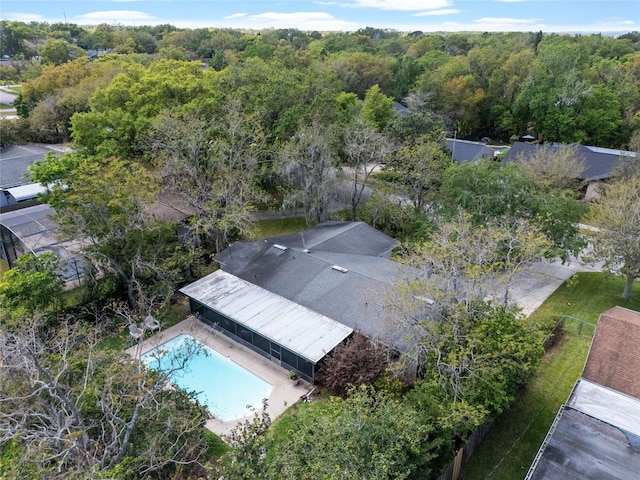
[{"x": 284, "y": 393}]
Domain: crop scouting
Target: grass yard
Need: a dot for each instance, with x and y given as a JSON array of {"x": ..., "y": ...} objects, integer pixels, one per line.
[
  {"x": 279, "y": 226},
  {"x": 509, "y": 449}
]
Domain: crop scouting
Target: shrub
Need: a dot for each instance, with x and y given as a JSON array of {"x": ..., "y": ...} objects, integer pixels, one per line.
[{"x": 356, "y": 362}]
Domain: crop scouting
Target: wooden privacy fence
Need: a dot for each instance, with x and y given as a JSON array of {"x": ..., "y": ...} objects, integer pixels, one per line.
[{"x": 452, "y": 472}]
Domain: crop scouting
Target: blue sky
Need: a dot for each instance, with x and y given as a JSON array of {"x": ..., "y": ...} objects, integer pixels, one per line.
[{"x": 588, "y": 16}]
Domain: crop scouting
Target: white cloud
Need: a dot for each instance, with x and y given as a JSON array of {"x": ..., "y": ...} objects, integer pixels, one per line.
[
  {"x": 443, "y": 11},
  {"x": 308, "y": 21},
  {"x": 404, "y": 5},
  {"x": 506, "y": 21},
  {"x": 23, "y": 17},
  {"x": 236, "y": 15},
  {"x": 124, "y": 17}
]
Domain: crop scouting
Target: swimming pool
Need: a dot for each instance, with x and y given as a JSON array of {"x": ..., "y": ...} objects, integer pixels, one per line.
[{"x": 226, "y": 388}]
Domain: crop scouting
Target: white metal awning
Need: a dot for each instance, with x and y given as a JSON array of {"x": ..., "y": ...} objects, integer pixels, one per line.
[
  {"x": 297, "y": 328},
  {"x": 27, "y": 192}
]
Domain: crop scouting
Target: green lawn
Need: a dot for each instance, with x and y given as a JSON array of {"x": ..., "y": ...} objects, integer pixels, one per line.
[
  {"x": 280, "y": 226},
  {"x": 510, "y": 447}
]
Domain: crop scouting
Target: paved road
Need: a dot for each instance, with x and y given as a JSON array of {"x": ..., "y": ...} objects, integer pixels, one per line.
[{"x": 7, "y": 96}]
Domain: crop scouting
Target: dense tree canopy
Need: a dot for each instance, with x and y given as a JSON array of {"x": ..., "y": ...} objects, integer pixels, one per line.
[
  {"x": 560, "y": 88},
  {"x": 493, "y": 190}
]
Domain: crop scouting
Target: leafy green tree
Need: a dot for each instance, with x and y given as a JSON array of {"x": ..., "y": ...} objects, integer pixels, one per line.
[
  {"x": 406, "y": 128},
  {"x": 361, "y": 71},
  {"x": 377, "y": 109},
  {"x": 58, "y": 51},
  {"x": 406, "y": 71},
  {"x": 173, "y": 52},
  {"x": 105, "y": 205},
  {"x": 32, "y": 285},
  {"x": 475, "y": 360},
  {"x": 14, "y": 39},
  {"x": 564, "y": 105},
  {"x": 370, "y": 435},
  {"x": 54, "y": 168},
  {"x": 492, "y": 190},
  {"x": 470, "y": 353},
  {"x": 122, "y": 112},
  {"x": 422, "y": 164},
  {"x": 256, "y": 48},
  {"x": 247, "y": 458},
  {"x": 384, "y": 211},
  {"x": 617, "y": 241}
]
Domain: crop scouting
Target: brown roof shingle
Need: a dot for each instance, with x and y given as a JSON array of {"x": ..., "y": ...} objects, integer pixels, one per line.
[{"x": 614, "y": 358}]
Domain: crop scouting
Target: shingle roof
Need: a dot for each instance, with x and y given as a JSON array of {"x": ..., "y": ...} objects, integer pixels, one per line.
[
  {"x": 468, "y": 151},
  {"x": 614, "y": 357},
  {"x": 354, "y": 298},
  {"x": 599, "y": 162},
  {"x": 341, "y": 237}
]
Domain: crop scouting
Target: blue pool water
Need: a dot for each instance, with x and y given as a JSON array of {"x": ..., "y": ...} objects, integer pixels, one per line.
[{"x": 226, "y": 388}]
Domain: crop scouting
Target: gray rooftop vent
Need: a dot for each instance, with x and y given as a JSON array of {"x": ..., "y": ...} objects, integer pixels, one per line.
[
  {"x": 279, "y": 247},
  {"x": 340, "y": 269}
]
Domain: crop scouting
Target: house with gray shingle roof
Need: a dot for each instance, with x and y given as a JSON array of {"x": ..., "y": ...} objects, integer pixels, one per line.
[
  {"x": 467, "y": 151},
  {"x": 599, "y": 162},
  {"x": 338, "y": 270}
]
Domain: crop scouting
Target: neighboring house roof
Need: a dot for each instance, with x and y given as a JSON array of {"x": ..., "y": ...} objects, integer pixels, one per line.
[
  {"x": 583, "y": 447},
  {"x": 468, "y": 151},
  {"x": 15, "y": 160},
  {"x": 26, "y": 192},
  {"x": 401, "y": 109},
  {"x": 596, "y": 434},
  {"x": 300, "y": 268},
  {"x": 607, "y": 405},
  {"x": 36, "y": 233},
  {"x": 301, "y": 330},
  {"x": 614, "y": 357},
  {"x": 168, "y": 208},
  {"x": 599, "y": 162}
]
